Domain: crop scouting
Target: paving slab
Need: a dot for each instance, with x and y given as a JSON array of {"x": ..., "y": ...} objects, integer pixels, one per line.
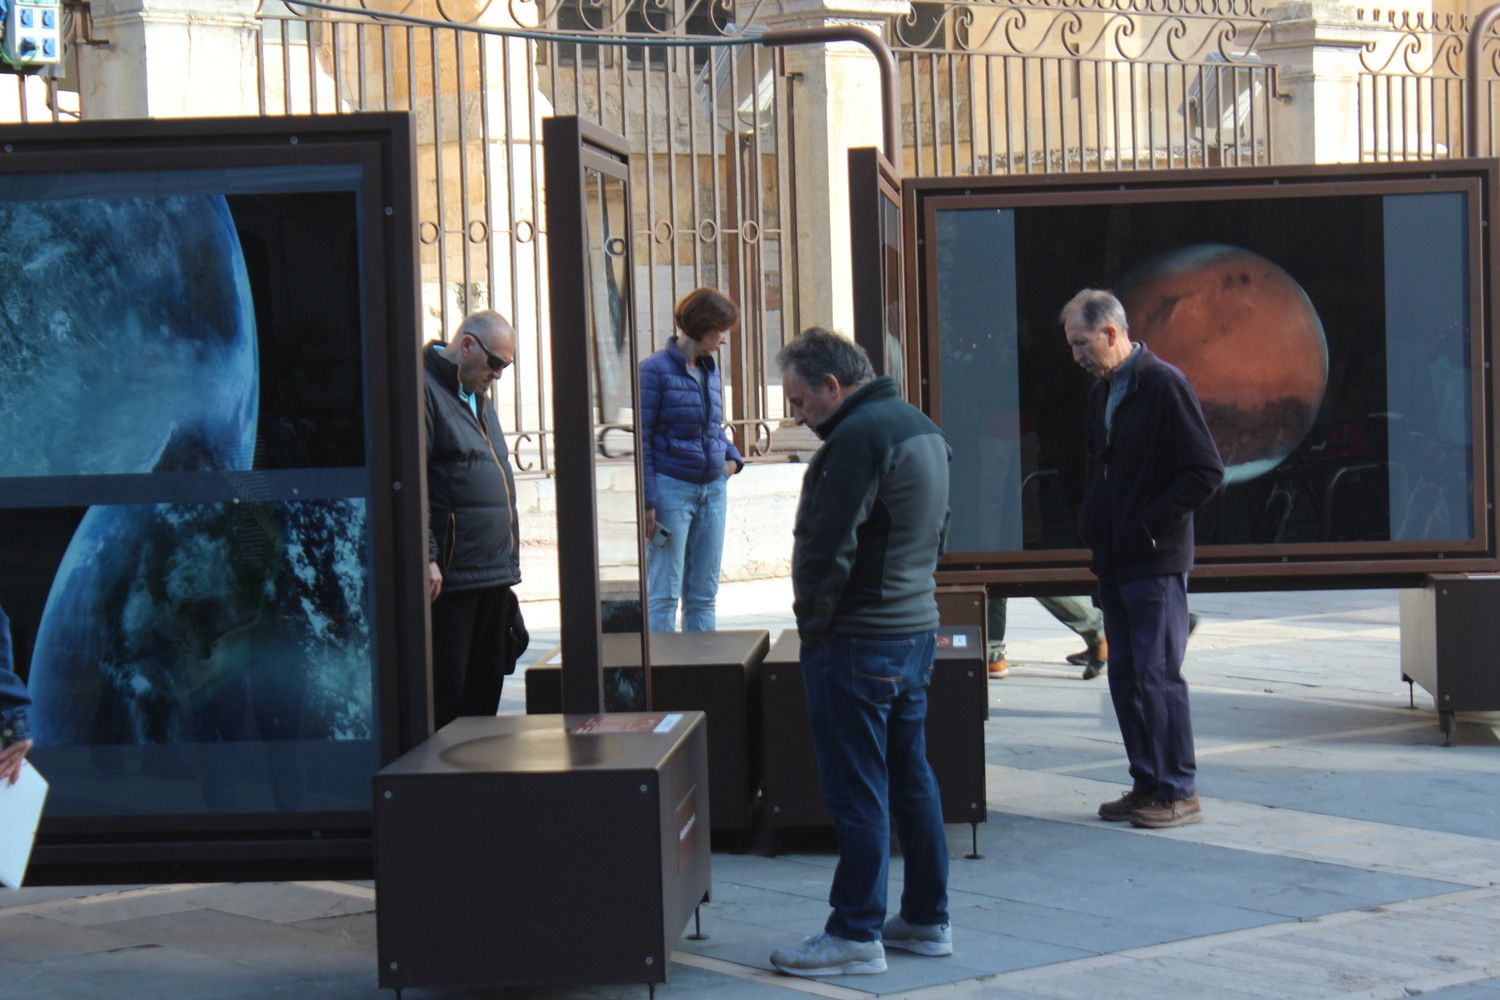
[{"x": 1344, "y": 852}]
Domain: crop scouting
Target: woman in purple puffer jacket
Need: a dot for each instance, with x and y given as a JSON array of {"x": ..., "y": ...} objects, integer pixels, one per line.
[{"x": 688, "y": 460}]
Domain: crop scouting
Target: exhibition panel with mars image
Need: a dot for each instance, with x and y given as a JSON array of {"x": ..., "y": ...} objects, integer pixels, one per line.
[
  {"x": 185, "y": 512},
  {"x": 1328, "y": 336}
]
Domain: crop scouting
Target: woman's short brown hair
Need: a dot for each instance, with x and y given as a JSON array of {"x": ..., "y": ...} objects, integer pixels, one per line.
[{"x": 703, "y": 311}]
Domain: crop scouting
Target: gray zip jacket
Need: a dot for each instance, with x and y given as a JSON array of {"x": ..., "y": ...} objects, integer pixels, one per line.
[{"x": 872, "y": 519}]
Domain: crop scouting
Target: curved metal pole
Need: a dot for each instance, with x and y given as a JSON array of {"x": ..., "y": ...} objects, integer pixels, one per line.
[
  {"x": 891, "y": 132},
  {"x": 1482, "y": 25}
]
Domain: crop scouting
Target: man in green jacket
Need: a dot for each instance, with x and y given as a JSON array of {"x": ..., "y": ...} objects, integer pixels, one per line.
[{"x": 870, "y": 523}]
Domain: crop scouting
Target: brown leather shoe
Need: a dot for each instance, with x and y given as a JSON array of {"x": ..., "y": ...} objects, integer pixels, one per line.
[
  {"x": 1095, "y": 651},
  {"x": 999, "y": 670},
  {"x": 1162, "y": 815},
  {"x": 1120, "y": 809}
]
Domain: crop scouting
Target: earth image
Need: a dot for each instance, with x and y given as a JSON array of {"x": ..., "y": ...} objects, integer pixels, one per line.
[
  {"x": 128, "y": 345},
  {"x": 207, "y": 622},
  {"x": 1248, "y": 338},
  {"x": 127, "y": 338}
]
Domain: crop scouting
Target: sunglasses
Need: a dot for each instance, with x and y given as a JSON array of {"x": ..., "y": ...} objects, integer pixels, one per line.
[{"x": 495, "y": 361}]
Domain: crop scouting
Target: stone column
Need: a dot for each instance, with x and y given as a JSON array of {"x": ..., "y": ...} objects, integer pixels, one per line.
[
  {"x": 1316, "y": 46},
  {"x": 170, "y": 59},
  {"x": 836, "y": 94}
]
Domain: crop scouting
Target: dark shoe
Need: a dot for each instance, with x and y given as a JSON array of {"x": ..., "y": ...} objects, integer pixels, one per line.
[
  {"x": 1192, "y": 623},
  {"x": 1094, "y": 669},
  {"x": 1098, "y": 650},
  {"x": 1121, "y": 809},
  {"x": 999, "y": 669},
  {"x": 1162, "y": 815}
]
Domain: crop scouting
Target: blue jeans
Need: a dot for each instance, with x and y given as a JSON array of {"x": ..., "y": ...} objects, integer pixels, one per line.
[
  {"x": 1146, "y": 621},
  {"x": 867, "y": 702},
  {"x": 686, "y": 569},
  {"x": 13, "y": 695}
]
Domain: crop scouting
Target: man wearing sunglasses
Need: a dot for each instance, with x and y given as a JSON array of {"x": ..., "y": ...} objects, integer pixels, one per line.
[{"x": 473, "y": 533}]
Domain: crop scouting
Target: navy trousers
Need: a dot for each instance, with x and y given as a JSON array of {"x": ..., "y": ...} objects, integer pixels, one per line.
[{"x": 1146, "y": 622}]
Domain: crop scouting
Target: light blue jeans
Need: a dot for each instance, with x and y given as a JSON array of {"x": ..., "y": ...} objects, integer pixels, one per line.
[{"x": 686, "y": 569}]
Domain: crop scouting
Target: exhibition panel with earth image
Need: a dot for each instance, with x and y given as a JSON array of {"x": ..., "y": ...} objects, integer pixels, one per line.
[{"x": 185, "y": 513}]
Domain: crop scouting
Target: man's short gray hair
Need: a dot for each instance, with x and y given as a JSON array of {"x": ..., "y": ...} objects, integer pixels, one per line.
[
  {"x": 1095, "y": 309},
  {"x": 816, "y": 353},
  {"x": 484, "y": 323}
]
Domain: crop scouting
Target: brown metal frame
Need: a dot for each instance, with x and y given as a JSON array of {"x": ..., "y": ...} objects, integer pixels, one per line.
[
  {"x": 1233, "y": 567},
  {"x": 872, "y": 181},
  {"x": 101, "y": 849},
  {"x": 574, "y": 145}
]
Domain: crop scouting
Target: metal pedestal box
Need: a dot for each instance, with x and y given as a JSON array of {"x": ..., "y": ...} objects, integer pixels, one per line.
[
  {"x": 541, "y": 850},
  {"x": 957, "y": 707},
  {"x": 1450, "y": 630},
  {"x": 717, "y": 673}
]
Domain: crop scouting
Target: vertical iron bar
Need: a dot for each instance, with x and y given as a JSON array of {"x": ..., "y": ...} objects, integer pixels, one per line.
[
  {"x": 648, "y": 141},
  {"x": 937, "y": 126},
  {"x": 1078, "y": 91},
  {"x": 916, "y": 114},
  {"x": 672, "y": 192},
  {"x": 260, "y": 67},
  {"x": 533, "y": 51},
  {"x": 1133, "y": 131},
  {"x": 441, "y": 211},
  {"x": 286, "y": 72},
  {"x": 1026, "y": 110},
  {"x": 463, "y": 165},
  {"x": 1270, "y": 126},
  {"x": 989, "y": 111},
  {"x": 696, "y": 212},
  {"x": 1099, "y": 111},
  {"x": 973, "y": 117},
  {"x": 385, "y": 66},
  {"x": 1390, "y": 122},
  {"x": 361, "y": 77},
  {"x": 1150, "y": 119},
  {"x": 952, "y": 114},
  {"x": 789, "y": 237},
  {"x": 312, "y": 70},
  {"x": 338, "y": 76},
  {"x": 716, "y": 181},
  {"x": 1010, "y": 139},
  {"x": 752, "y": 334}
]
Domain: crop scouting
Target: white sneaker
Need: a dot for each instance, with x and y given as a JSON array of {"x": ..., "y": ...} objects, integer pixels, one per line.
[
  {"x": 826, "y": 955},
  {"x": 930, "y": 939}
]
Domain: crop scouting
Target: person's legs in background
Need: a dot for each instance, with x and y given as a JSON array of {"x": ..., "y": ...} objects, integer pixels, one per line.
[
  {"x": 995, "y": 626},
  {"x": 703, "y": 557},
  {"x": 1082, "y": 617}
]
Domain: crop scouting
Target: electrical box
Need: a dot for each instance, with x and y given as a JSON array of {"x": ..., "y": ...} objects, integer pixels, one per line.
[{"x": 33, "y": 33}]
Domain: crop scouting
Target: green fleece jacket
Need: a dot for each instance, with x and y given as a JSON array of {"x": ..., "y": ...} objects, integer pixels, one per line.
[{"x": 872, "y": 519}]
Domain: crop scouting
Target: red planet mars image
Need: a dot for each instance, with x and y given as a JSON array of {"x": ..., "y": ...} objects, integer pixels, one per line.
[{"x": 1246, "y": 335}]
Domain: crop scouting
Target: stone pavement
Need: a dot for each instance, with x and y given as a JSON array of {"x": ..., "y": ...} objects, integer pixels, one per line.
[{"x": 1345, "y": 852}]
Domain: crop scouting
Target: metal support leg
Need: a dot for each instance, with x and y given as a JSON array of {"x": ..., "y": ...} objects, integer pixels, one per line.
[
  {"x": 1411, "y": 691},
  {"x": 974, "y": 855},
  {"x": 1445, "y": 723},
  {"x": 698, "y": 934}
]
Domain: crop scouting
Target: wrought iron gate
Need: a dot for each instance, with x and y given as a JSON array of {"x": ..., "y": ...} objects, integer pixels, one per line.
[{"x": 705, "y": 115}]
